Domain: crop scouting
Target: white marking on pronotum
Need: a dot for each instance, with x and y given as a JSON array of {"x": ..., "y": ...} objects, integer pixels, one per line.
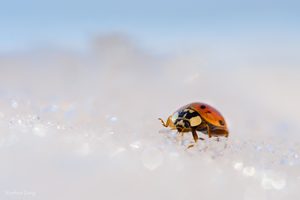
[
  {"x": 189, "y": 110},
  {"x": 180, "y": 122}
]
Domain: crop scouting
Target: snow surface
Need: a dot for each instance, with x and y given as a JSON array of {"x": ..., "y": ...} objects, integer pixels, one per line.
[{"x": 83, "y": 125}]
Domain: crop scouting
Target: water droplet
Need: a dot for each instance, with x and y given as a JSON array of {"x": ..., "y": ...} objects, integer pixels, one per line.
[
  {"x": 111, "y": 132},
  {"x": 113, "y": 119},
  {"x": 14, "y": 104},
  {"x": 135, "y": 145},
  {"x": 152, "y": 158},
  {"x": 238, "y": 166},
  {"x": 39, "y": 130},
  {"x": 249, "y": 171},
  {"x": 271, "y": 180},
  {"x": 60, "y": 127},
  {"x": 279, "y": 184}
]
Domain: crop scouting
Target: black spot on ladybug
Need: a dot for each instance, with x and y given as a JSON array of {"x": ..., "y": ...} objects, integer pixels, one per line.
[
  {"x": 187, "y": 115},
  {"x": 191, "y": 115},
  {"x": 181, "y": 114},
  {"x": 221, "y": 122},
  {"x": 203, "y": 107}
]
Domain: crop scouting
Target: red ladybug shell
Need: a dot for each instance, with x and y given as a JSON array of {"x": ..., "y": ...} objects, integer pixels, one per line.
[{"x": 208, "y": 113}]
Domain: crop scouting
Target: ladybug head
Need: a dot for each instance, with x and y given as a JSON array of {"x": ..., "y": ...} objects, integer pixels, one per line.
[
  {"x": 182, "y": 125},
  {"x": 186, "y": 119}
]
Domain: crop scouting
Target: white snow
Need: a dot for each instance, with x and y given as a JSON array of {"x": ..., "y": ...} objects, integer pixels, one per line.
[{"x": 84, "y": 126}]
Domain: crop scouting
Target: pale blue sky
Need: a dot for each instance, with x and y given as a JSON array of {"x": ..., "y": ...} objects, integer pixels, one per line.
[{"x": 70, "y": 23}]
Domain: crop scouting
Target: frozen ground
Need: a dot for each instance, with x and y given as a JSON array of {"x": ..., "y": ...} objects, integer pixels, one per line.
[{"x": 83, "y": 125}]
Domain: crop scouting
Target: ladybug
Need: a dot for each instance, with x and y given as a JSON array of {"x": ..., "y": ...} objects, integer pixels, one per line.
[{"x": 197, "y": 117}]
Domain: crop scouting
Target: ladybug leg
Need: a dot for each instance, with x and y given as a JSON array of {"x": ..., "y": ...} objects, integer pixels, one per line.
[
  {"x": 163, "y": 123},
  {"x": 195, "y": 135},
  {"x": 226, "y": 135},
  {"x": 169, "y": 123},
  {"x": 208, "y": 131}
]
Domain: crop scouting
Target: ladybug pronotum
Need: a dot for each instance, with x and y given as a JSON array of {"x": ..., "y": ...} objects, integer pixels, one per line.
[{"x": 197, "y": 117}]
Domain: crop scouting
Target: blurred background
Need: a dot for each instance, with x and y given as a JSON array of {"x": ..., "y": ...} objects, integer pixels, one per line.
[{"x": 82, "y": 84}]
